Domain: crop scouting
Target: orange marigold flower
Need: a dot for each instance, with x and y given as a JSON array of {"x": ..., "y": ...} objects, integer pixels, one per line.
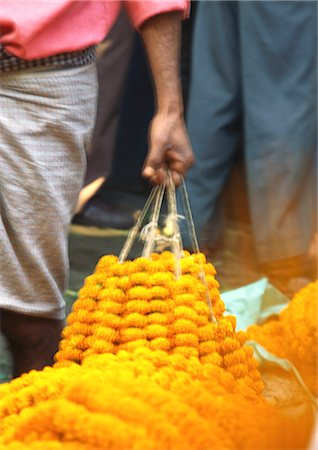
[
  {"x": 229, "y": 344},
  {"x": 112, "y": 294},
  {"x": 160, "y": 343},
  {"x": 134, "y": 320},
  {"x": 238, "y": 370},
  {"x": 89, "y": 304},
  {"x": 207, "y": 332},
  {"x": 161, "y": 278},
  {"x": 142, "y": 264},
  {"x": 159, "y": 293},
  {"x": 105, "y": 333},
  {"x": 208, "y": 347},
  {"x": 236, "y": 357},
  {"x": 184, "y": 339},
  {"x": 185, "y": 312},
  {"x": 139, "y": 293},
  {"x": 139, "y": 306},
  {"x": 186, "y": 351},
  {"x": 109, "y": 320},
  {"x": 160, "y": 306},
  {"x": 132, "y": 334},
  {"x": 133, "y": 345},
  {"x": 186, "y": 299},
  {"x": 212, "y": 358},
  {"x": 156, "y": 331},
  {"x": 159, "y": 318},
  {"x": 109, "y": 306},
  {"x": 184, "y": 326},
  {"x": 140, "y": 279},
  {"x": 102, "y": 346}
]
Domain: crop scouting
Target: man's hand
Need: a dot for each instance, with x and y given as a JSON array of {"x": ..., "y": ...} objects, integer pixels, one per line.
[
  {"x": 169, "y": 147},
  {"x": 169, "y": 144}
]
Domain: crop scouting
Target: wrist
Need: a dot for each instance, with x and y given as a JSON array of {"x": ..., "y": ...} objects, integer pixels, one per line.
[{"x": 172, "y": 108}]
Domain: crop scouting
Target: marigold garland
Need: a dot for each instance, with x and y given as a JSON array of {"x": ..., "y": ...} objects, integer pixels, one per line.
[
  {"x": 141, "y": 400},
  {"x": 294, "y": 334},
  {"x": 142, "y": 366},
  {"x": 143, "y": 303}
]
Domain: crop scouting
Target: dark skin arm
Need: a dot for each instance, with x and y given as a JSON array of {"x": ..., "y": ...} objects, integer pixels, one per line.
[{"x": 169, "y": 144}]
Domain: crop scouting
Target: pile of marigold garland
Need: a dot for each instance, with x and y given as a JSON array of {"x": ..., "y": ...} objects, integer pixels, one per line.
[
  {"x": 294, "y": 334},
  {"x": 142, "y": 366}
]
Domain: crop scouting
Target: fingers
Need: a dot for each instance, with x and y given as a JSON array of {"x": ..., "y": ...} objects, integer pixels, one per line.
[{"x": 154, "y": 175}]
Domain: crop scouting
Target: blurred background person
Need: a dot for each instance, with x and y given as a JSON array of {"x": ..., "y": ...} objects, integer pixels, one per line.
[{"x": 254, "y": 85}]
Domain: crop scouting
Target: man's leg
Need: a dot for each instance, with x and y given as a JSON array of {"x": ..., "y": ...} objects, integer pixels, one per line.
[
  {"x": 213, "y": 111},
  {"x": 279, "y": 65},
  {"x": 46, "y": 121}
]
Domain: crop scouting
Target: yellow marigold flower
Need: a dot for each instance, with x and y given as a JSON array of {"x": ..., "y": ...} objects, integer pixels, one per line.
[
  {"x": 212, "y": 358},
  {"x": 159, "y": 318},
  {"x": 62, "y": 364},
  {"x": 202, "y": 308},
  {"x": 106, "y": 261},
  {"x": 87, "y": 304},
  {"x": 185, "y": 312},
  {"x": 184, "y": 326},
  {"x": 76, "y": 341},
  {"x": 76, "y": 328},
  {"x": 184, "y": 339},
  {"x": 120, "y": 269},
  {"x": 112, "y": 294},
  {"x": 186, "y": 284},
  {"x": 132, "y": 334},
  {"x": 159, "y": 293},
  {"x": 208, "y": 347},
  {"x": 134, "y": 320},
  {"x": 89, "y": 292},
  {"x": 159, "y": 306},
  {"x": 72, "y": 354},
  {"x": 209, "y": 269},
  {"x": 187, "y": 351},
  {"x": 108, "y": 320},
  {"x": 161, "y": 278},
  {"x": 124, "y": 282},
  {"x": 96, "y": 279},
  {"x": 161, "y": 266},
  {"x": 140, "y": 279},
  {"x": 232, "y": 320},
  {"x": 142, "y": 264},
  {"x": 108, "y": 306},
  {"x": 211, "y": 281},
  {"x": 160, "y": 343},
  {"x": 155, "y": 331},
  {"x": 102, "y": 346},
  {"x": 138, "y": 306},
  {"x": 133, "y": 345},
  {"x": 186, "y": 299},
  {"x": 105, "y": 333},
  {"x": 139, "y": 293},
  {"x": 201, "y": 320}
]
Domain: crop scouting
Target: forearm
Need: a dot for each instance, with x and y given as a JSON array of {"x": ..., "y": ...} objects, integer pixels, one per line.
[{"x": 162, "y": 38}]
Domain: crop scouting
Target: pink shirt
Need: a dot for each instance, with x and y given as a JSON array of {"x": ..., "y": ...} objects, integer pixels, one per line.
[{"x": 36, "y": 29}]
